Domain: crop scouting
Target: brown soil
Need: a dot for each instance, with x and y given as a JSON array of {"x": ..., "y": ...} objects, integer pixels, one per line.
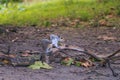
[{"x": 28, "y": 38}]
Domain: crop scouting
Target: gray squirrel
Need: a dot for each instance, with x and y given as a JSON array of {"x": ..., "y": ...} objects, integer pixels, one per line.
[{"x": 48, "y": 44}]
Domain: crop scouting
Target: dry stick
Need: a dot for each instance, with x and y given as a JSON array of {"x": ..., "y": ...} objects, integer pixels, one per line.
[
  {"x": 105, "y": 60},
  {"x": 116, "y": 52},
  {"x": 109, "y": 65},
  {"x": 9, "y": 49},
  {"x": 117, "y": 63},
  {"x": 79, "y": 50},
  {"x": 114, "y": 58}
]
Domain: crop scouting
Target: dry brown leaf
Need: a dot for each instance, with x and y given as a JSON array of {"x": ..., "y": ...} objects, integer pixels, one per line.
[
  {"x": 1, "y": 54},
  {"x": 109, "y": 16},
  {"x": 102, "y": 22},
  {"x": 87, "y": 63},
  {"x": 12, "y": 56},
  {"x": 25, "y": 54},
  {"x": 105, "y": 37},
  {"x": 5, "y": 61}
]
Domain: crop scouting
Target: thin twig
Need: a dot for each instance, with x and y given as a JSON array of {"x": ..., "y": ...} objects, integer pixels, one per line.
[
  {"x": 113, "y": 72},
  {"x": 116, "y": 52}
]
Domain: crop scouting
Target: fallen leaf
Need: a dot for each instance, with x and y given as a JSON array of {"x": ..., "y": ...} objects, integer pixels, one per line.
[
  {"x": 109, "y": 16},
  {"x": 105, "y": 37},
  {"x": 25, "y": 54},
  {"x": 67, "y": 61},
  {"x": 86, "y": 64},
  {"x": 12, "y": 55},
  {"x": 6, "y": 61},
  {"x": 103, "y": 22},
  {"x": 77, "y": 63},
  {"x": 39, "y": 65},
  {"x": 1, "y": 54}
]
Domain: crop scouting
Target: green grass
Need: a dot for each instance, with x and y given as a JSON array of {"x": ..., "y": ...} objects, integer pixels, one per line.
[{"x": 43, "y": 12}]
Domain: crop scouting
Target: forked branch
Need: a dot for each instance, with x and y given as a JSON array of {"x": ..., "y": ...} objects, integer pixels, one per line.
[{"x": 104, "y": 60}]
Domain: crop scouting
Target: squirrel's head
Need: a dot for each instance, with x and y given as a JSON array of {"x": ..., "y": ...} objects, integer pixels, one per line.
[{"x": 59, "y": 38}]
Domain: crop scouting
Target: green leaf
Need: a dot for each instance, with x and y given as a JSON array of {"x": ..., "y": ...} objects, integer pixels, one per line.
[
  {"x": 39, "y": 65},
  {"x": 77, "y": 63},
  {"x": 67, "y": 61}
]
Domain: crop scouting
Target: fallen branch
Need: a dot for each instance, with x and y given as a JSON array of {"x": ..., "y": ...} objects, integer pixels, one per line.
[
  {"x": 75, "y": 48},
  {"x": 104, "y": 60}
]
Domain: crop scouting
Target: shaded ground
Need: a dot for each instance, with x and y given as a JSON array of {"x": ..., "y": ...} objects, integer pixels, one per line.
[{"x": 28, "y": 38}]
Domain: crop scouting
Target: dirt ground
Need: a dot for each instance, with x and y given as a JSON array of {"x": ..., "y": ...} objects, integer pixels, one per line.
[{"x": 100, "y": 40}]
